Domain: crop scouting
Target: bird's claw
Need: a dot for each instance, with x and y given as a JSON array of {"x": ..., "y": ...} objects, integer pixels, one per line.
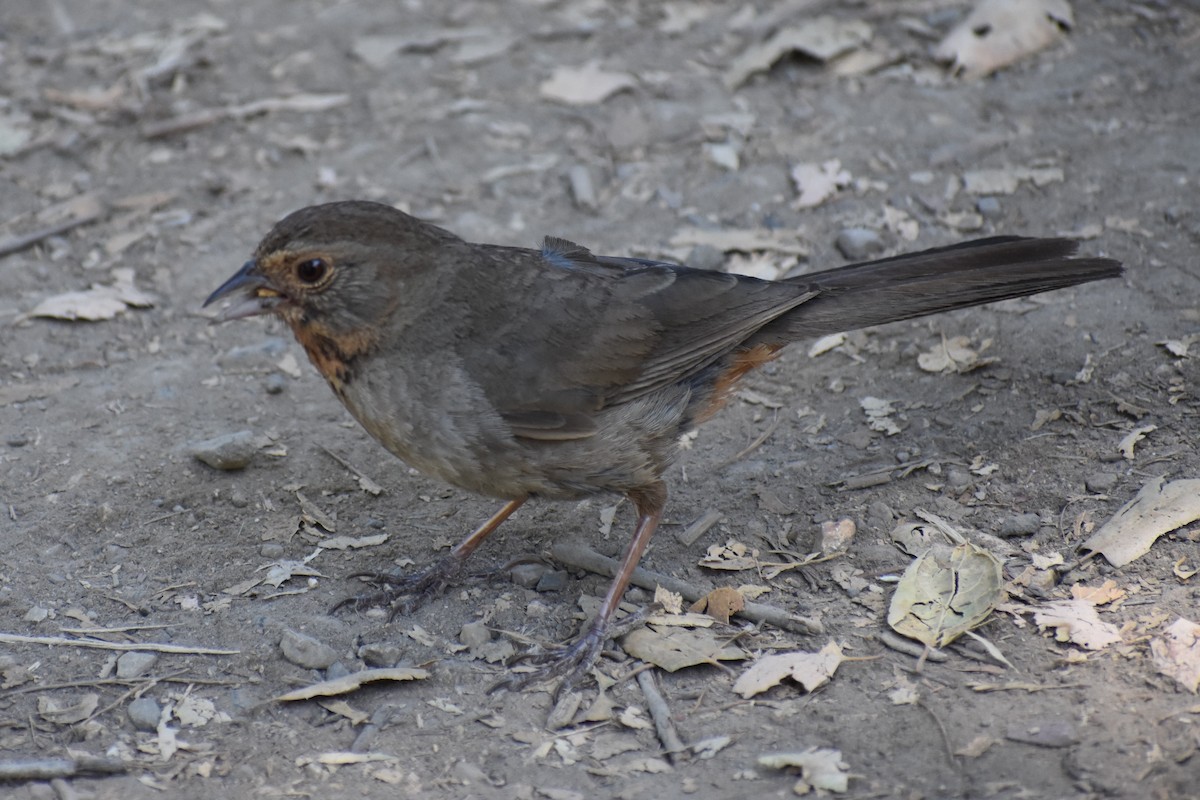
[{"x": 403, "y": 593}]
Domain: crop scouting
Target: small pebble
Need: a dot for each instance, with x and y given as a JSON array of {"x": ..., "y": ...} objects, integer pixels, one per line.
[
  {"x": 527, "y": 575},
  {"x": 474, "y": 634},
  {"x": 988, "y": 207},
  {"x": 858, "y": 243},
  {"x": 957, "y": 477},
  {"x": 337, "y": 670},
  {"x": 305, "y": 651},
  {"x": 1020, "y": 525},
  {"x": 134, "y": 664},
  {"x": 380, "y": 654},
  {"x": 36, "y": 614},
  {"x": 238, "y": 499},
  {"x": 17, "y": 440},
  {"x": 144, "y": 713},
  {"x": 271, "y": 550},
  {"x": 1101, "y": 482},
  {"x": 228, "y": 451},
  {"x": 553, "y": 581},
  {"x": 275, "y": 383}
]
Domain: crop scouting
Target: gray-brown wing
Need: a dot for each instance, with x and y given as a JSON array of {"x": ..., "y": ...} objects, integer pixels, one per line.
[{"x": 608, "y": 331}]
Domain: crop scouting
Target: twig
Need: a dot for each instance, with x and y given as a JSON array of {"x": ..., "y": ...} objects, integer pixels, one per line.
[
  {"x": 15, "y": 244},
  {"x": 699, "y": 527},
  {"x": 911, "y": 648},
  {"x": 660, "y": 712},
  {"x": 583, "y": 557},
  {"x": 369, "y": 486},
  {"x": 44, "y": 769},
  {"x": 153, "y": 647},
  {"x": 175, "y": 678},
  {"x": 757, "y": 443}
]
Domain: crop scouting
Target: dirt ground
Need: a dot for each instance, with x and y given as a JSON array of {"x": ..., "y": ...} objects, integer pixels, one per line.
[{"x": 145, "y": 118}]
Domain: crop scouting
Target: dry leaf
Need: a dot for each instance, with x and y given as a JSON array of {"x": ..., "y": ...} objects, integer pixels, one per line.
[
  {"x": 1132, "y": 438},
  {"x": 64, "y": 711},
  {"x": 1000, "y": 32},
  {"x": 720, "y": 604},
  {"x": 675, "y": 648},
  {"x": 1077, "y": 621},
  {"x": 879, "y": 415},
  {"x": 352, "y": 542},
  {"x": 816, "y": 183},
  {"x": 1100, "y": 595},
  {"x": 584, "y": 85},
  {"x": 953, "y": 355},
  {"x": 741, "y": 241},
  {"x": 820, "y": 768},
  {"x": 97, "y": 303},
  {"x": 671, "y": 602},
  {"x": 1176, "y": 653},
  {"x": 1157, "y": 509},
  {"x": 810, "y": 670},
  {"x": 1005, "y": 180},
  {"x": 943, "y": 595},
  {"x": 731, "y": 556},
  {"x": 976, "y": 747},
  {"x": 822, "y": 38},
  {"x": 354, "y": 682}
]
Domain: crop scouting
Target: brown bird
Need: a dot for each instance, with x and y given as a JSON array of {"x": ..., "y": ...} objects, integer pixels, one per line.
[{"x": 554, "y": 373}]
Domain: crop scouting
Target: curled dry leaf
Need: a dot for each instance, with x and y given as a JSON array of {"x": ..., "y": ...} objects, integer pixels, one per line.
[
  {"x": 1157, "y": 509},
  {"x": 353, "y": 682},
  {"x": 731, "y": 556},
  {"x": 1077, "y": 621},
  {"x": 1176, "y": 653},
  {"x": 879, "y": 415},
  {"x": 810, "y": 670},
  {"x": 720, "y": 604},
  {"x": 954, "y": 355},
  {"x": 1132, "y": 438},
  {"x": 943, "y": 595},
  {"x": 1000, "y": 32},
  {"x": 820, "y": 768}
]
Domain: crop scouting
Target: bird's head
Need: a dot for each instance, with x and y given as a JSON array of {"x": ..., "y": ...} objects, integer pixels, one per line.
[{"x": 330, "y": 269}]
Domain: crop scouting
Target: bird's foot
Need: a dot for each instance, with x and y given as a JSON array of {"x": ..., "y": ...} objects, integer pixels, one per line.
[
  {"x": 404, "y": 593},
  {"x": 572, "y": 662}
]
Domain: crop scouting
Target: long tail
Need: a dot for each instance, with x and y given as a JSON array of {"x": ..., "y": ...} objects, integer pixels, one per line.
[{"x": 942, "y": 279}]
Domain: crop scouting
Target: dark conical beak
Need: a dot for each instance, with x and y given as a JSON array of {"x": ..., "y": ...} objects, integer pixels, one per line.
[{"x": 258, "y": 297}]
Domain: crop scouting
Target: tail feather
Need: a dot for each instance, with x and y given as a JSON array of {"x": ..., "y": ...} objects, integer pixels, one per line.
[{"x": 942, "y": 279}]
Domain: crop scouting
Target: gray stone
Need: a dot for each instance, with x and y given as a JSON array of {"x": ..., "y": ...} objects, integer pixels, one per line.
[
  {"x": 305, "y": 651},
  {"x": 380, "y": 654},
  {"x": 528, "y": 574},
  {"x": 988, "y": 207},
  {"x": 144, "y": 713},
  {"x": 1020, "y": 525},
  {"x": 337, "y": 670},
  {"x": 275, "y": 383},
  {"x": 553, "y": 581},
  {"x": 474, "y": 634},
  {"x": 858, "y": 243},
  {"x": 134, "y": 664},
  {"x": 271, "y": 550},
  {"x": 1101, "y": 482},
  {"x": 227, "y": 451}
]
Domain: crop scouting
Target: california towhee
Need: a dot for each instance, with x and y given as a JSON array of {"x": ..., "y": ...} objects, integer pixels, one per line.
[{"x": 555, "y": 373}]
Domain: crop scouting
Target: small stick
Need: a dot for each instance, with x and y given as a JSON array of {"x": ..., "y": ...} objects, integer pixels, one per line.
[
  {"x": 15, "y": 244},
  {"x": 581, "y": 556},
  {"x": 660, "y": 712},
  {"x": 699, "y": 527},
  {"x": 154, "y": 647},
  {"x": 911, "y": 648},
  {"x": 44, "y": 769}
]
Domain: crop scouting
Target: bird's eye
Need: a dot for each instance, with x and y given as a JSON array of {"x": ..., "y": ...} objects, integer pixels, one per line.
[{"x": 312, "y": 270}]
